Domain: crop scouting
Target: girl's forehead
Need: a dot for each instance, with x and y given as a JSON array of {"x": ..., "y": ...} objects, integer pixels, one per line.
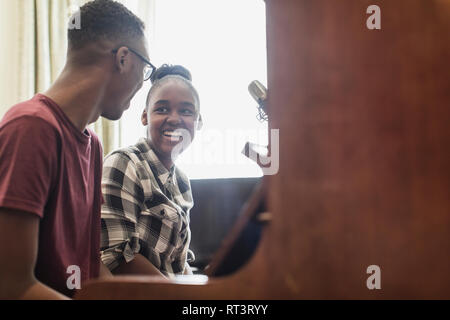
[{"x": 173, "y": 90}]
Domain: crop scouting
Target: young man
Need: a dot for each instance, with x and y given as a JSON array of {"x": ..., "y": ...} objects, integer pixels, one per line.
[{"x": 51, "y": 165}]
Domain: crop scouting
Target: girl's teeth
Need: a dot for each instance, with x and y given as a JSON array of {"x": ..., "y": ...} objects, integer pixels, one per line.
[{"x": 172, "y": 134}]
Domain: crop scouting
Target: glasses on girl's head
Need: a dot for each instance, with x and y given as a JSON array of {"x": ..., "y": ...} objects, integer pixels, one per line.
[{"x": 149, "y": 68}]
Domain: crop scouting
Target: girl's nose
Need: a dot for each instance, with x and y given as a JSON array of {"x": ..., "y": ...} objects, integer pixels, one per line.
[{"x": 174, "y": 118}]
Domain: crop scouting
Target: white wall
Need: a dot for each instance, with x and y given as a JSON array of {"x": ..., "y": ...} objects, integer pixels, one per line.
[{"x": 8, "y": 54}]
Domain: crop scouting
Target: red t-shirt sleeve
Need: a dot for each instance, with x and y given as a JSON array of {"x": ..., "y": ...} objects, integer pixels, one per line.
[{"x": 28, "y": 163}]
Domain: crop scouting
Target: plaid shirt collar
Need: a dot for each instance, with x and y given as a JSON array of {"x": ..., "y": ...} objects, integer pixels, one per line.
[{"x": 161, "y": 173}]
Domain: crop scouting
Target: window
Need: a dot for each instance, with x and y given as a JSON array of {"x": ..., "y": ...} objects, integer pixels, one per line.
[{"x": 223, "y": 44}]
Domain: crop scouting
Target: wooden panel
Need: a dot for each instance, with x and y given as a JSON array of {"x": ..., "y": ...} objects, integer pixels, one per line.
[
  {"x": 367, "y": 177},
  {"x": 364, "y": 168}
]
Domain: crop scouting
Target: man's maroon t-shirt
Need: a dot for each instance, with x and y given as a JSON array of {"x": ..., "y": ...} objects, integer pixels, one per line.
[{"x": 51, "y": 169}]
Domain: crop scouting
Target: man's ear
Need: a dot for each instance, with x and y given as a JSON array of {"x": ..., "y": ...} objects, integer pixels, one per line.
[
  {"x": 123, "y": 59},
  {"x": 144, "y": 118},
  {"x": 199, "y": 123}
]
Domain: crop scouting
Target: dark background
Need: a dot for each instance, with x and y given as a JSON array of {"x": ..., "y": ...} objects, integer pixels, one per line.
[{"x": 217, "y": 206}]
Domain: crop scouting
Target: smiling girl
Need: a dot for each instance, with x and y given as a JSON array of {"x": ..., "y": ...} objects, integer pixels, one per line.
[{"x": 145, "y": 217}]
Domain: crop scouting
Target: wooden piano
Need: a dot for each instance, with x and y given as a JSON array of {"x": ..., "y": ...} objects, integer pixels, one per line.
[{"x": 364, "y": 173}]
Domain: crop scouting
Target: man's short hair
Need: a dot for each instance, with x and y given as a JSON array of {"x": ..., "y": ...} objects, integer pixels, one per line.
[{"x": 105, "y": 20}]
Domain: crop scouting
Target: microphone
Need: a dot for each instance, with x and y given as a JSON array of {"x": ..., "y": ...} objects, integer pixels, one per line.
[{"x": 259, "y": 93}]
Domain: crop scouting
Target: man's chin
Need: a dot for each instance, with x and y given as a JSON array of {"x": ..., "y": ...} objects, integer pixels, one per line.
[
  {"x": 112, "y": 117},
  {"x": 115, "y": 115}
]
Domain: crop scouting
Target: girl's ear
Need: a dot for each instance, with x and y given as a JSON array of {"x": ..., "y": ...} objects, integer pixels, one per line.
[
  {"x": 199, "y": 123},
  {"x": 144, "y": 118}
]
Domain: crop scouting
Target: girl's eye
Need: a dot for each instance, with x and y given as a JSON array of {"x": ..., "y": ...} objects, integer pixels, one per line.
[
  {"x": 161, "y": 110},
  {"x": 187, "y": 112}
]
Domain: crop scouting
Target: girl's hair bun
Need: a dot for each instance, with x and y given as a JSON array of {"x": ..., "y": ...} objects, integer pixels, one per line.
[{"x": 169, "y": 70}]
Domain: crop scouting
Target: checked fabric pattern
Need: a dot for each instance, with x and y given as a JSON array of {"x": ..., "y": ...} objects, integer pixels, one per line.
[{"x": 146, "y": 211}]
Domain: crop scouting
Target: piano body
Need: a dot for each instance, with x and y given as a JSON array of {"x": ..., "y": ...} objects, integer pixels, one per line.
[{"x": 364, "y": 173}]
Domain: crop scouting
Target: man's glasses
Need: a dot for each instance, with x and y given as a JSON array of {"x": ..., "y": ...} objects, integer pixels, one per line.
[{"x": 149, "y": 68}]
